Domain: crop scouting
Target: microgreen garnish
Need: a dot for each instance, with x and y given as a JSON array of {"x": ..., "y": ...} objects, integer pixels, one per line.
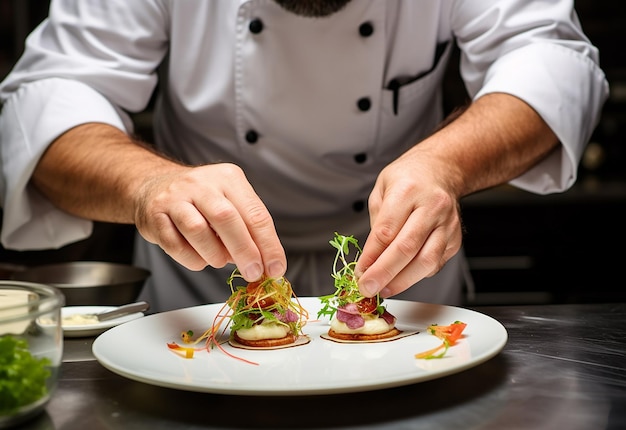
[
  {"x": 260, "y": 301},
  {"x": 345, "y": 280},
  {"x": 269, "y": 300}
]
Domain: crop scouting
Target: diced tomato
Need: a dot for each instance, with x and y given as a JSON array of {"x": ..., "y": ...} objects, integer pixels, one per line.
[
  {"x": 252, "y": 286},
  {"x": 367, "y": 305},
  {"x": 253, "y": 292},
  {"x": 262, "y": 303}
]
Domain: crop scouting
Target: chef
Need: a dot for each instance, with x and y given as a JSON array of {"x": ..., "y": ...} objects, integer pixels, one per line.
[{"x": 280, "y": 122}]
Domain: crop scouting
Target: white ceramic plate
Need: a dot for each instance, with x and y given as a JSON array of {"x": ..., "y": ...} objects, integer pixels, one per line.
[
  {"x": 86, "y": 330},
  {"x": 319, "y": 367}
]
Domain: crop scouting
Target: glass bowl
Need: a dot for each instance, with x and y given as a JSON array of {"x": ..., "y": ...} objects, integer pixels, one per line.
[{"x": 31, "y": 348}]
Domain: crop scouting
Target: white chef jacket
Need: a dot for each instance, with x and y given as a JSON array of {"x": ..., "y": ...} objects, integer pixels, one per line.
[{"x": 307, "y": 107}]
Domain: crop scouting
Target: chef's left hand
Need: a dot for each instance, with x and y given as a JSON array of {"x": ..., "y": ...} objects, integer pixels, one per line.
[
  {"x": 414, "y": 206},
  {"x": 415, "y": 224}
]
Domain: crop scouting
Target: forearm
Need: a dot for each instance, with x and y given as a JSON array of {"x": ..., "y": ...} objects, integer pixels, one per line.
[
  {"x": 414, "y": 207},
  {"x": 95, "y": 171},
  {"x": 497, "y": 138},
  {"x": 199, "y": 215}
]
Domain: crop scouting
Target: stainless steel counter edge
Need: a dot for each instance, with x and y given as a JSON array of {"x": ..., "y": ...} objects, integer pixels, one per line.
[{"x": 563, "y": 367}]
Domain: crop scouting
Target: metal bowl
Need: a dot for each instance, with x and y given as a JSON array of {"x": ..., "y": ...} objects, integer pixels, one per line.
[{"x": 89, "y": 283}]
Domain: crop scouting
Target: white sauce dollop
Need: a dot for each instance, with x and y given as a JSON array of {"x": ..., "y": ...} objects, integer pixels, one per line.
[
  {"x": 79, "y": 319},
  {"x": 264, "y": 331},
  {"x": 373, "y": 325}
]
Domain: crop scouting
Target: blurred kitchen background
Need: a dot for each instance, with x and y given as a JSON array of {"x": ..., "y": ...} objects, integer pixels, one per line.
[{"x": 522, "y": 248}]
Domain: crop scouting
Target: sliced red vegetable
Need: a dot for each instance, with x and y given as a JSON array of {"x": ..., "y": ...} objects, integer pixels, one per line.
[
  {"x": 448, "y": 333},
  {"x": 451, "y": 332}
]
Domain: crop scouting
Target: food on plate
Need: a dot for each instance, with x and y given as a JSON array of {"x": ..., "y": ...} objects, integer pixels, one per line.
[
  {"x": 264, "y": 314},
  {"x": 449, "y": 334},
  {"x": 354, "y": 317}
]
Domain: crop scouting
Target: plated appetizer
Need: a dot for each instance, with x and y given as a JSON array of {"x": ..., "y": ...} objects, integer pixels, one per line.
[
  {"x": 264, "y": 314},
  {"x": 354, "y": 317}
]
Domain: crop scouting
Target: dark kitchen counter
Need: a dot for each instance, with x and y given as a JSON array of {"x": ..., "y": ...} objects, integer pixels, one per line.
[{"x": 562, "y": 368}]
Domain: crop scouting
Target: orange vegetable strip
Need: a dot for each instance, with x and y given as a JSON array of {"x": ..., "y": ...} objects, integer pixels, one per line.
[
  {"x": 430, "y": 352},
  {"x": 449, "y": 334},
  {"x": 187, "y": 351}
]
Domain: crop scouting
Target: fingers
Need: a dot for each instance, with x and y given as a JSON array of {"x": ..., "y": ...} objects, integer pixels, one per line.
[
  {"x": 183, "y": 227},
  {"x": 430, "y": 259},
  {"x": 246, "y": 229},
  {"x": 199, "y": 224},
  {"x": 395, "y": 270},
  {"x": 409, "y": 240}
]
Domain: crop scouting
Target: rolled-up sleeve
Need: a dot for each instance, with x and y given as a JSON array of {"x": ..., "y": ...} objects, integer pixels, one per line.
[
  {"x": 536, "y": 51},
  {"x": 90, "y": 61},
  {"x": 31, "y": 119}
]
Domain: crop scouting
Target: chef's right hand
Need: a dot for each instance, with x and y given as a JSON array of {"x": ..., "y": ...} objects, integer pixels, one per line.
[{"x": 210, "y": 215}]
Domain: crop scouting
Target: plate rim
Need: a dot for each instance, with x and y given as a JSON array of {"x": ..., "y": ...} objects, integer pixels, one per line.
[{"x": 322, "y": 389}]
